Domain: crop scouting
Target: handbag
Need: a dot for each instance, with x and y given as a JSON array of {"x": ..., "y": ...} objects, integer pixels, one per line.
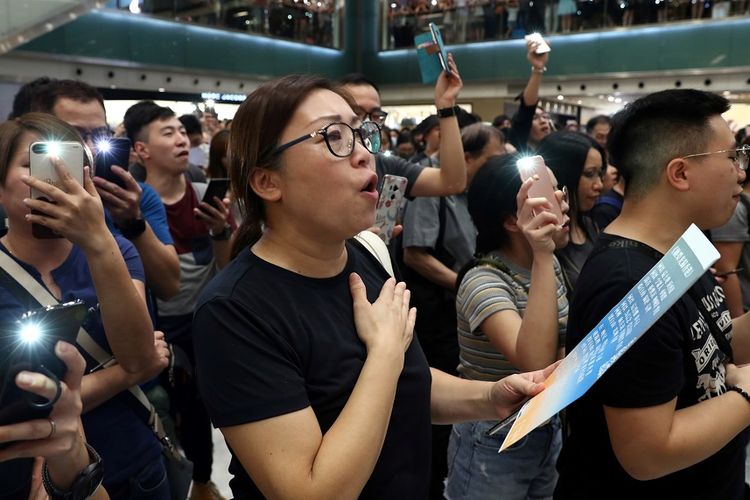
[{"x": 179, "y": 468}]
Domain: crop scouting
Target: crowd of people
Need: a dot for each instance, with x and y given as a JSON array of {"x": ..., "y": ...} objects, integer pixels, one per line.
[
  {"x": 463, "y": 21},
  {"x": 336, "y": 366}
]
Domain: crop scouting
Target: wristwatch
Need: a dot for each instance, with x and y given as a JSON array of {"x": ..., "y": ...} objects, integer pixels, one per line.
[
  {"x": 223, "y": 235},
  {"x": 447, "y": 112},
  {"x": 132, "y": 228},
  {"x": 88, "y": 480}
]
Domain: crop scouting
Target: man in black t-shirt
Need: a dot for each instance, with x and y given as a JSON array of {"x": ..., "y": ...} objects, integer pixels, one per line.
[{"x": 666, "y": 420}]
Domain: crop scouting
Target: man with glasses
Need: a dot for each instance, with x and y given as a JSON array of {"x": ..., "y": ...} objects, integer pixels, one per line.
[
  {"x": 731, "y": 240},
  {"x": 450, "y": 178},
  {"x": 135, "y": 211},
  {"x": 667, "y": 419}
]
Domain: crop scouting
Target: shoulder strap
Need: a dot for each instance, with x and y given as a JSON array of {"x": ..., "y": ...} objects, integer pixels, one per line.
[
  {"x": 27, "y": 287},
  {"x": 375, "y": 246}
]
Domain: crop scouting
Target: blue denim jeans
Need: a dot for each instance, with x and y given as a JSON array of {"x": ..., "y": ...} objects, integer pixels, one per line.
[
  {"x": 149, "y": 484},
  {"x": 525, "y": 470}
]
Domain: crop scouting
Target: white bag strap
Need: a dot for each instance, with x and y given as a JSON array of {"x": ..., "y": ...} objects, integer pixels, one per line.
[
  {"x": 83, "y": 339},
  {"x": 377, "y": 248}
]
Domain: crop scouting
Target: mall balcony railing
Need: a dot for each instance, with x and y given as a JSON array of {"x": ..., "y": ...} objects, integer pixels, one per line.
[
  {"x": 313, "y": 22},
  {"x": 467, "y": 21}
]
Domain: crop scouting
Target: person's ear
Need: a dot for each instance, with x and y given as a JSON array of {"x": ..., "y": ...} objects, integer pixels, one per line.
[
  {"x": 266, "y": 184},
  {"x": 679, "y": 173},
  {"x": 510, "y": 224},
  {"x": 141, "y": 149}
]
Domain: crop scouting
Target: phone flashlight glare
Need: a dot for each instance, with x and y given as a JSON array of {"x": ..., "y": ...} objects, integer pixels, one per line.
[
  {"x": 526, "y": 164},
  {"x": 30, "y": 333},
  {"x": 53, "y": 148},
  {"x": 103, "y": 145}
]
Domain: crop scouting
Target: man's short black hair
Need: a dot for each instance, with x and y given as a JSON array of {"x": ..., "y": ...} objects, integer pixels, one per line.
[
  {"x": 358, "y": 79},
  {"x": 22, "y": 99},
  {"x": 46, "y": 97},
  {"x": 192, "y": 124},
  {"x": 140, "y": 115},
  {"x": 596, "y": 121},
  {"x": 653, "y": 130}
]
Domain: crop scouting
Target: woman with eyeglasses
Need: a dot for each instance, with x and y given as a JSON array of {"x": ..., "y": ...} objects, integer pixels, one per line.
[
  {"x": 506, "y": 326},
  {"x": 579, "y": 164},
  {"x": 304, "y": 348}
]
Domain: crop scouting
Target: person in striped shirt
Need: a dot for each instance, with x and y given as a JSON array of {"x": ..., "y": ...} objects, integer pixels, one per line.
[{"x": 506, "y": 325}]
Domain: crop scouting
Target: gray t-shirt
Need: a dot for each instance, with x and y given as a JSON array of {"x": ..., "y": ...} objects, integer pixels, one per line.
[
  {"x": 484, "y": 291},
  {"x": 736, "y": 231},
  {"x": 422, "y": 227}
]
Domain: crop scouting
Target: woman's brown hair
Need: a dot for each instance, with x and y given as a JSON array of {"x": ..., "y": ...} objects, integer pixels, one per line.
[
  {"x": 47, "y": 127},
  {"x": 217, "y": 151},
  {"x": 256, "y": 129}
]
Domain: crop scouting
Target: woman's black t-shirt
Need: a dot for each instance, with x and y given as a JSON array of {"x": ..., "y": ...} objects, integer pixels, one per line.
[{"x": 269, "y": 342}]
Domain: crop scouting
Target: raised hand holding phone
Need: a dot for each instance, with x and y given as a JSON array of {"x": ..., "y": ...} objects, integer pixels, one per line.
[
  {"x": 41, "y": 165},
  {"x": 74, "y": 211},
  {"x": 533, "y": 167}
]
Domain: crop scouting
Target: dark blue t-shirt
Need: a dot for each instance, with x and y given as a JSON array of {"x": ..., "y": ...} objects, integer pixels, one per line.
[
  {"x": 269, "y": 341},
  {"x": 122, "y": 437}
]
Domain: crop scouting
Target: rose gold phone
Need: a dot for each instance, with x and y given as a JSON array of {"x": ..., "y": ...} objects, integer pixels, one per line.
[{"x": 541, "y": 187}]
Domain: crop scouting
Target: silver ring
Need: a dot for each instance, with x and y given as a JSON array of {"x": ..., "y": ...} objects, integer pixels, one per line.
[{"x": 53, "y": 428}]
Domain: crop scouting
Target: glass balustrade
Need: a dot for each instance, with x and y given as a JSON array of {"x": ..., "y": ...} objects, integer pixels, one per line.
[
  {"x": 313, "y": 22},
  {"x": 467, "y": 21}
]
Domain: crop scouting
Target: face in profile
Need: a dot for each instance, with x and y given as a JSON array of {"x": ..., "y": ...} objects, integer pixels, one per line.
[{"x": 590, "y": 183}]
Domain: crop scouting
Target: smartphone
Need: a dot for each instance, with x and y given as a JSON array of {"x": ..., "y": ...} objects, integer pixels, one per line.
[
  {"x": 388, "y": 209},
  {"x": 216, "y": 187},
  {"x": 112, "y": 151},
  {"x": 543, "y": 47},
  {"x": 541, "y": 187},
  {"x": 507, "y": 421},
  {"x": 28, "y": 344},
  {"x": 41, "y": 167},
  {"x": 441, "y": 53}
]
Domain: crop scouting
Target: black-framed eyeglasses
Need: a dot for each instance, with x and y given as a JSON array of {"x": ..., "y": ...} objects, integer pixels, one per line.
[
  {"x": 741, "y": 157},
  {"x": 340, "y": 138},
  {"x": 376, "y": 115},
  {"x": 94, "y": 134}
]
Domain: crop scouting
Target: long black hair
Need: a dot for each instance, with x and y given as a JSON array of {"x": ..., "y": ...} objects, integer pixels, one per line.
[{"x": 565, "y": 154}]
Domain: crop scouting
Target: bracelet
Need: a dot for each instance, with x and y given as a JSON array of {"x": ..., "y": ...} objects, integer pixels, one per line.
[
  {"x": 740, "y": 391},
  {"x": 534, "y": 69}
]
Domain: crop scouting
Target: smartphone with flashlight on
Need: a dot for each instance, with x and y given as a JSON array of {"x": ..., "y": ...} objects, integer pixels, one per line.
[
  {"x": 542, "y": 186},
  {"x": 112, "y": 151},
  {"x": 28, "y": 344},
  {"x": 542, "y": 46},
  {"x": 41, "y": 167}
]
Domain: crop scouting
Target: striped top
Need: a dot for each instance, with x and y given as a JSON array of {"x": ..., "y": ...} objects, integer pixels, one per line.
[{"x": 484, "y": 291}]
